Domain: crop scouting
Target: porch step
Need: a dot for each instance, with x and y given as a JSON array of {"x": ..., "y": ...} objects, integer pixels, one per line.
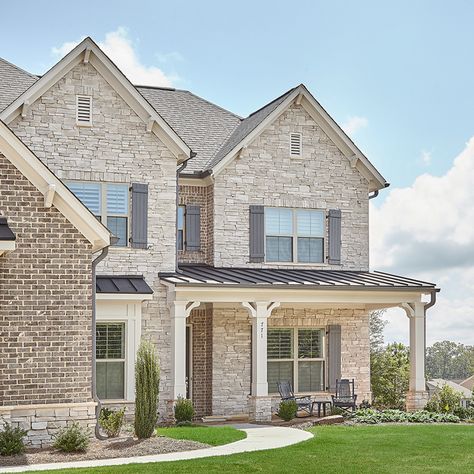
[{"x": 224, "y": 418}]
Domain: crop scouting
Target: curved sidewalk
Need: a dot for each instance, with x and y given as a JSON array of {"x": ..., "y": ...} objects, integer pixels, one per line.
[{"x": 258, "y": 438}]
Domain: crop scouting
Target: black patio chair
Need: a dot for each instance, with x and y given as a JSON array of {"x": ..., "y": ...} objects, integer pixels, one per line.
[
  {"x": 345, "y": 397},
  {"x": 286, "y": 393}
]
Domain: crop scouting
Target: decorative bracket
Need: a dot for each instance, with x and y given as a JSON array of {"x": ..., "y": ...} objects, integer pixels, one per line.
[
  {"x": 87, "y": 54},
  {"x": 49, "y": 195},
  {"x": 252, "y": 307}
]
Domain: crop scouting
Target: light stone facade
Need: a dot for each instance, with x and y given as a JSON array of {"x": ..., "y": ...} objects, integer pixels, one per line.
[{"x": 265, "y": 174}]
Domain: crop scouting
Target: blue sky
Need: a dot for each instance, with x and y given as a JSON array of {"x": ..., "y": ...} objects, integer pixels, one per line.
[{"x": 398, "y": 75}]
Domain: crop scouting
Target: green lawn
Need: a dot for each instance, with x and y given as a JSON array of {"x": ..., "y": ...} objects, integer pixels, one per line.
[
  {"x": 340, "y": 449},
  {"x": 213, "y": 435}
]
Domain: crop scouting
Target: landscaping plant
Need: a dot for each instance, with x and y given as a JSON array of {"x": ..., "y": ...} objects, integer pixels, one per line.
[
  {"x": 111, "y": 421},
  {"x": 465, "y": 414},
  {"x": 147, "y": 380},
  {"x": 373, "y": 417},
  {"x": 287, "y": 410},
  {"x": 72, "y": 439},
  {"x": 11, "y": 440},
  {"x": 183, "y": 411},
  {"x": 445, "y": 400}
]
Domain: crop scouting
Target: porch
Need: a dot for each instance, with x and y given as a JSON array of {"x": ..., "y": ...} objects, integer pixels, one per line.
[{"x": 250, "y": 327}]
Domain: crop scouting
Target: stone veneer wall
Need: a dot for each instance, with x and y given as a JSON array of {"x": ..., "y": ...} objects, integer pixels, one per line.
[
  {"x": 201, "y": 321},
  {"x": 232, "y": 351},
  {"x": 200, "y": 196},
  {"x": 116, "y": 148},
  {"x": 265, "y": 174}
]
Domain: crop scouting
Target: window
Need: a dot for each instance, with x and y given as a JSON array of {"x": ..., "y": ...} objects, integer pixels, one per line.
[
  {"x": 109, "y": 203},
  {"x": 296, "y": 355},
  {"x": 84, "y": 110},
  {"x": 180, "y": 227},
  {"x": 110, "y": 360},
  {"x": 295, "y": 144},
  {"x": 294, "y": 235}
]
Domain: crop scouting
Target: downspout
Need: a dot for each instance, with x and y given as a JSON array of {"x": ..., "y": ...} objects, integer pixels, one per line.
[
  {"x": 428, "y": 306},
  {"x": 178, "y": 171},
  {"x": 376, "y": 192}
]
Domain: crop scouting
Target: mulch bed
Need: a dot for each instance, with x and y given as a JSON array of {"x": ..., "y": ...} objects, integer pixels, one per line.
[{"x": 112, "y": 448}]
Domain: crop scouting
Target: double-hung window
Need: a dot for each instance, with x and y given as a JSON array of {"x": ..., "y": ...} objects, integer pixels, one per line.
[
  {"x": 294, "y": 235},
  {"x": 296, "y": 355},
  {"x": 109, "y": 202},
  {"x": 110, "y": 360},
  {"x": 180, "y": 227}
]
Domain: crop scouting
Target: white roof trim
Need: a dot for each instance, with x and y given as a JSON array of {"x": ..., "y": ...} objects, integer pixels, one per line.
[
  {"x": 124, "y": 297},
  {"x": 44, "y": 180},
  {"x": 329, "y": 126},
  {"x": 88, "y": 51}
]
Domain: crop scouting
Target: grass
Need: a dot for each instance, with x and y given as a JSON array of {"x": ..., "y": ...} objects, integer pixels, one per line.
[
  {"x": 393, "y": 449},
  {"x": 213, "y": 435}
]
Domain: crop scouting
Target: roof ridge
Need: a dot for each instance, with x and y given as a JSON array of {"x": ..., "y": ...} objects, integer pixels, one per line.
[
  {"x": 33, "y": 76},
  {"x": 271, "y": 102},
  {"x": 164, "y": 88}
]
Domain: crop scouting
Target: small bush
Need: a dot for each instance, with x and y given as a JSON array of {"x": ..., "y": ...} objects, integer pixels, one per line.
[
  {"x": 464, "y": 413},
  {"x": 72, "y": 439},
  {"x": 444, "y": 400},
  {"x": 287, "y": 410},
  {"x": 11, "y": 440},
  {"x": 337, "y": 411},
  {"x": 111, "y": 421},
  {"x": 183, "y": 411},
  {"x": 372, "y": 417}
]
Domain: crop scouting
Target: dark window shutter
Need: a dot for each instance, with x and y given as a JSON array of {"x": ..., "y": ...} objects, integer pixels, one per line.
[
  {"x": 139, "y": 216},
  {"x": 257, "y": 234},
  {"x": 193, "y": 228},
  {"x": 334, "y": 355},
  {"x": 334, "y": 225}
]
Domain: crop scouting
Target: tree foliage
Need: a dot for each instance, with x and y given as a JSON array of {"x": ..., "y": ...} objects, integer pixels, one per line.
[
  {"x": 376, "y": 327},
  {"x": 449, "y": 360}
]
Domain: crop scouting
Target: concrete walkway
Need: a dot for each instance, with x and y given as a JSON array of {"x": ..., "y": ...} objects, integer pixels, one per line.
[{"x": 258, "y": 438}]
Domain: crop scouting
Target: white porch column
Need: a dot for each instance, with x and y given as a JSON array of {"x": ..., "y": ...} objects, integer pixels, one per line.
[
  {"x": 180, "y": 310},
  {"x": 260, "y": 311},
  {"x": 417, "y": 395}
]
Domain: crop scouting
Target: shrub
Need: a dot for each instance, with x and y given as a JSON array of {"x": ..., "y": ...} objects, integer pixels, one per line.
[
  {"x": 183, "y": 411},
  {"x": 11, "y": 440},
  {"x": 72, "y": 439},
  {"x": 445, "y": 400},
  {"x": 287, "y": 410},
  {"x": 147, "y": 380},
  {"x": 464, "y": 413},
  {"x": 372, "y": 417},
  {"x": 111, "y": 421},
  {"x": 338, "y": 411}
]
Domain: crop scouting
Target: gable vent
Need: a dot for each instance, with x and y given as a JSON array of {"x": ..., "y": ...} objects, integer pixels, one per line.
[
  {"x": 295, "y": 144},
  {"x": 83, "y": 110}
]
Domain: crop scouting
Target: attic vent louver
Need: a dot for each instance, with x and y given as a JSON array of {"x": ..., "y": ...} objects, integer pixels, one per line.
[
  {"x": 295, "y": 144},
  {"x": 84, "y": 110}
]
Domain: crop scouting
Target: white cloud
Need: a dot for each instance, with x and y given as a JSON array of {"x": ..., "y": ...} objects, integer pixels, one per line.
[
  {"x": 427, "y": 231},
  {"x": 122, "y": 51},
  {"x": 426, "y": 157},
  {"x": 354, "y": 123}
]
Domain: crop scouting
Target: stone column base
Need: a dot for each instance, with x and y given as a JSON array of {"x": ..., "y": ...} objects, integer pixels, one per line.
[
  {"x": 416, "y": 400},
  {"x": 260, "y": 408},
  {"x": 169, "y": 414},
  {"x": 43, "y": 421}
]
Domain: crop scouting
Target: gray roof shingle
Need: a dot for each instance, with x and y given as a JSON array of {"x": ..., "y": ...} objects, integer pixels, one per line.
[{"x": 13, "y": 82}]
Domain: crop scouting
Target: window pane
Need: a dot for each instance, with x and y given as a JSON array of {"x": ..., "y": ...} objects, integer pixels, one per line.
[
  {"x": 117, "y": 199},
  {"x": 180, "y": 242},
  {"x": 111, "y": 380},
  {"x": 279, "y": 343},
  {"x": 279, "y": 249},
  {"x": 310, "y": 250},
  {"x": 310, "y": 223},
  {"x": 88, "y": 194},
  {"x": 278, "y": 221},
  {"x": 180, "y": 217},
  {"x": 310, "y": 344},
  {"x": 110, "y": 340},
  {"x": 279, "y": 371},
  {"x": 310, "y": 376},
  {"x": 118, "y": 227}
]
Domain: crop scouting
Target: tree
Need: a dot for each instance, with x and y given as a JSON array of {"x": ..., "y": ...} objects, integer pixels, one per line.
[
  {"x": 390, "y": 375},
  {"x": 376, "y": 327},
  {"x": 449, "y": 360}
]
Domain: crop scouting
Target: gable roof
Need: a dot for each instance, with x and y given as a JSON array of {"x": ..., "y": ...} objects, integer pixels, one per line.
[
  {"x": 54, "y": 191},
  {"x": 13, "y": 82},
  {"x": 439, "y": 383},
  {"x": 468, "y": 383},
  {"x": 88, "y": 52}
]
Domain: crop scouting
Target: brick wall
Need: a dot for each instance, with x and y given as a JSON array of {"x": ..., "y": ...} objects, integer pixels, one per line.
[
  {"x": 45, "y": 301},
  {"x": 264, "y": 174}
]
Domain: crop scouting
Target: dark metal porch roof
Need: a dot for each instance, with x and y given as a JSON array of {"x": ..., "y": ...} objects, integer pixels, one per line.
[
  {"x": 5, "y": 232},
  {"x": 204, "y": 275},
  {"x": 122, "y": 284}
]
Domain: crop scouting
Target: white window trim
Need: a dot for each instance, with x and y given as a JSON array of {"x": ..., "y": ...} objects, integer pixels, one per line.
[
  {"x": 129, "y": 313},
  {"x": 80, "y": 123},
  {"x": 103, "y": 205},
  {"x": 295, "y": 359},
  {"x": 295, "y": 236}
]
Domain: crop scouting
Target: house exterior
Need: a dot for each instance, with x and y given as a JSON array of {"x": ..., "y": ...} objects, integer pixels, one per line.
[
  {"x": 241, "y": 245},
  {"x": 435, "y": 385},
  {"x": 468, "y": 383}
]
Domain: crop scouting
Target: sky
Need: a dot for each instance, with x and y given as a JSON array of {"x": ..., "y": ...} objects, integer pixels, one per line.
[{"x": 397, "y": 76}]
